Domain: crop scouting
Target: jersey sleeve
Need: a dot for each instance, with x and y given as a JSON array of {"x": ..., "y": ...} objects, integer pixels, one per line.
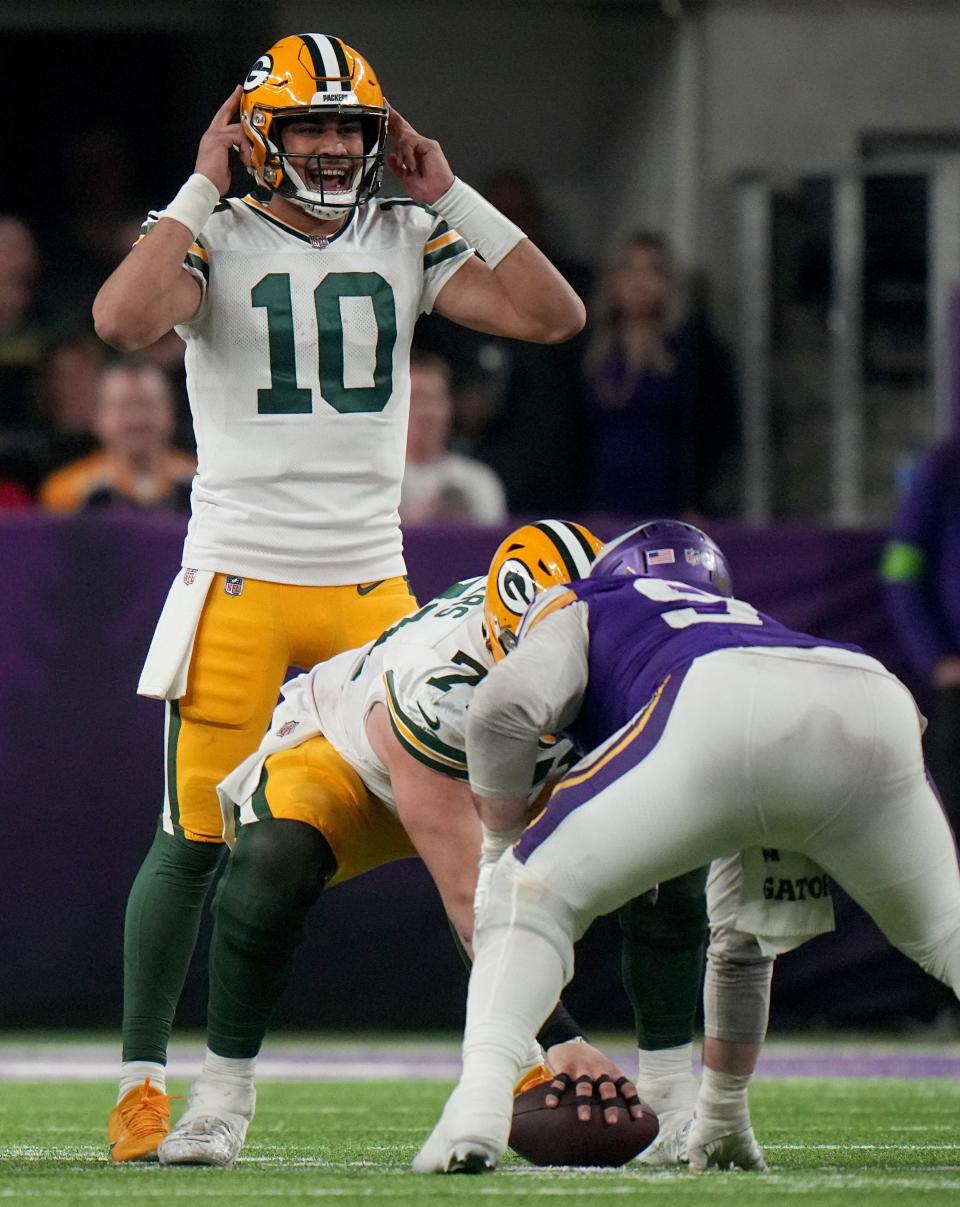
[
  {"x": 536, "y": 689},
  {"x": 545, "y": 604},
  {"x": 427, "y": 704},
  {"x": 444, "y": 252},
  {"x": 196, "y": 262}
]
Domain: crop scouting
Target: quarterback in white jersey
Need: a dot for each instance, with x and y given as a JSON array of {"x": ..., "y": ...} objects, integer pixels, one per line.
[
  {"x": 297, "y": 307},
  {"x": 301, "y": 483}
]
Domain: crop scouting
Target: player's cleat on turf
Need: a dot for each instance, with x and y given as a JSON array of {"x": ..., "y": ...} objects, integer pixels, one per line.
[
  {"x": 465, "y": 1140},
  {"x": 213, "y": 1127},
  {"x": 673, "y": 1098},
  {"x": 139, "y": 1123},
  {"x": 440, "y": 1155},
  {"x": 670, "y": 1146},
  {"x": 205, "y": 1140},
  {"x": 734, "y": 1150}
]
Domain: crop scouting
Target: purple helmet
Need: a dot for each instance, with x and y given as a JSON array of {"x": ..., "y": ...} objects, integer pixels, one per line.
[{"x": 667, "y": 549}]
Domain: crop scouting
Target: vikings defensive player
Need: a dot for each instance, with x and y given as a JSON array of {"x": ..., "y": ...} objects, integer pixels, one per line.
[
  {"x": 710, "y": 728},
  {"x": 297, "y": 307}
]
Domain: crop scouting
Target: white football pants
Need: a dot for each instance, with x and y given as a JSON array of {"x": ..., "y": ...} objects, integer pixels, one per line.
[{"x": 815, "y": 751}]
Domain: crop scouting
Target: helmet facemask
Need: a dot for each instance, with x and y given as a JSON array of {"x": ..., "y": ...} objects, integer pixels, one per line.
[{"x": 300, "y": 178}]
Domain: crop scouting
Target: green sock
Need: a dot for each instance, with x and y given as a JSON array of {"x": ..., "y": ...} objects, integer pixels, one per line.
[
  {"x": 276, "y": 872},
  {"x": 160, "y": 932},
  {"x": 662, "y": 959}
]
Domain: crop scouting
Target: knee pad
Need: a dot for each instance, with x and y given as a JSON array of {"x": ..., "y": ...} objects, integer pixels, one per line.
[
  {"x": 519, "y": 901},
  {"x": 731, "y": 946},
  {"x": 275, "y": 873},
  {"x": 736, "y": 991}
]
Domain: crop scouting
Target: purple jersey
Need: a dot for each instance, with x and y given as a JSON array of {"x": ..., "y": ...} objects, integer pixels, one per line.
[{"x": 643, "y": 629}]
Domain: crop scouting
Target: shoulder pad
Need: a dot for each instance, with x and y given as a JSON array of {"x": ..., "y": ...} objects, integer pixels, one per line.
[{"x": 545, "y": 605}]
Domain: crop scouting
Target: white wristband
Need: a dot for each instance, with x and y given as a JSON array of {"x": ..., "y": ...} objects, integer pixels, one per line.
[
  {"x": 480, "y": 223},
  {"x": 194, "y": 204}
]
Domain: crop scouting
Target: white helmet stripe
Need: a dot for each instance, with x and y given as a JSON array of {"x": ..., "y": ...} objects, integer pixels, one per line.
[
  {"x": 332, "y": 67},
  {"x": 573, "y": 548}
]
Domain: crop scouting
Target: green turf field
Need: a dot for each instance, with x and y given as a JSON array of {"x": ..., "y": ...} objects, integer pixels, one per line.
[{"x": 869, "y": 1142}]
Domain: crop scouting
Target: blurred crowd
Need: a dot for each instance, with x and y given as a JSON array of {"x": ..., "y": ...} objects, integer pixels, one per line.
[{"x": 636, "y": 417}]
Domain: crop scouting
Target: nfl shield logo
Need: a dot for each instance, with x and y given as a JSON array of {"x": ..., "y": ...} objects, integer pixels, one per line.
[
  {"x": 287, "y": 728},
  {"x": 692, "y": 557},
  {"x": 189, "y": 577},
  {"x": 233, "y": 585}
]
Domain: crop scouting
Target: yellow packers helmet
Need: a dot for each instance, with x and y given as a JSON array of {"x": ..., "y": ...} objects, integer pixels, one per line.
[
  {"x": 316, "y": 75},
  {"x": 530, "y": 560}
]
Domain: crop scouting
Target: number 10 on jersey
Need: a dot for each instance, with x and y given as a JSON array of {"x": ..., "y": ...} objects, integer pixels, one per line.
[{"x": 284, "y": 396}]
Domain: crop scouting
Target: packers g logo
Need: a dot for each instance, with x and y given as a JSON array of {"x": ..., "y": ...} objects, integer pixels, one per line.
[
  {"x": 258, "y": 73},
  {"x": 516, "y": 586}
]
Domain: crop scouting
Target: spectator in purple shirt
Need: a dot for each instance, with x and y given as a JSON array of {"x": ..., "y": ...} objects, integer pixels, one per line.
[
  {"x": 658, "y": 394},
  {"x": 921, "y": 570}
]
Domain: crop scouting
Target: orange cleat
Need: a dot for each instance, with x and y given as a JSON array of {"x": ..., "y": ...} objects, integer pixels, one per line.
[
  {"x": 535, "y": 1076},
  {"x": 138, "y": 1124}
]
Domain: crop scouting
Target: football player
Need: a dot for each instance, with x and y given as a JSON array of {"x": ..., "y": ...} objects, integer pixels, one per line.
[
  {"x": 711, "y": 728},
  {"x": 364, "y": 763},
  {"x": 297, "y": 304}
]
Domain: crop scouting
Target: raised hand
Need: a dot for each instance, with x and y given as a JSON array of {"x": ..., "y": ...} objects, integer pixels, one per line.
[
  {"x": 419, "y": 163},
  {"x": 213, "y": 154}
]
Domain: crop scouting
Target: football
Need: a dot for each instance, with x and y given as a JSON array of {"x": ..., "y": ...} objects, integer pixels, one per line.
[{"x": 546, "y": 1136}]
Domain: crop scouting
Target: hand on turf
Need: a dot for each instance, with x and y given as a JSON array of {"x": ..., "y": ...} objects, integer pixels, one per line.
[
  {"x": 592, "y": 1075},
  {"x": 419, "y": 163},
  {"x": 213, "y": 154}
]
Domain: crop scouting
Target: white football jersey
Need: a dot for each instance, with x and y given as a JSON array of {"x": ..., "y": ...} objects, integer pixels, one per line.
[
  {"x": 424, "y": 668},
  {"x": 298, "y": 376}
]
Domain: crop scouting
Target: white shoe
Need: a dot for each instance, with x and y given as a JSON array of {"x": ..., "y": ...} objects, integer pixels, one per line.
[
  {"x": 213, "y": 1126},
  {"x": 707, "y": 1150},
  {"x": 440, "y": 1155},
  {"x": 670, "y": 1146},
  {"x": 465, "y": 1140},
  {"x": 205, "y": 1140}
]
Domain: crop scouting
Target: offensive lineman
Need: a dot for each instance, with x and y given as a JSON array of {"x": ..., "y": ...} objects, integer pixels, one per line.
[
  {"x": 365, "y": 754},
  {"x": 298, "y": 315},
  {"x": 710, "y": 728}
]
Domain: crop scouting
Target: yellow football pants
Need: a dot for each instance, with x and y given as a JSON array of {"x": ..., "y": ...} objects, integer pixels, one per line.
[
  {"x": 244, "y": 644},
  {"x": 312, "y": 783}
]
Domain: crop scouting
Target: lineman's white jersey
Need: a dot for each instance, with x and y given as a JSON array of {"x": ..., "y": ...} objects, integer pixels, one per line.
[
  {"x": 299, "y": 383},
  {"x": 424, "y": 669}
]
